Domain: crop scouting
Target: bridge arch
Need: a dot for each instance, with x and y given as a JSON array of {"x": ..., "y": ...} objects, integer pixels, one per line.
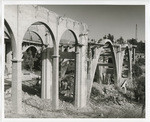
[
  {"x": 72, "y": 32},
  {"x": 41, "y": 34},
  {"x": 108, "y": 44},
  {"x": 68, "y": 48},
  {"x": 38, "y": 36},
  {"x": 25, "y": 49},
  {"x": 12, "y": 38}
]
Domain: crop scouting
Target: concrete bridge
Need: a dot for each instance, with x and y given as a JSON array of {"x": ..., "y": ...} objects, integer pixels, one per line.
[{"x": 89, "y": 57}]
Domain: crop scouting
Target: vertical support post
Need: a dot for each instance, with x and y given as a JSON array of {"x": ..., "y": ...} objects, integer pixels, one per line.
[
  {"x": 133, "y": 55},
  {"x": 89, "y": 72},
  {"x": 130, "y": 65},
  {"x": 16, "y": 86},
  {"x": 55, "y": 84},
  {"x": 48, "y": 75},
  {"x": 77, "y": 79},
  {"x": 43, "y": 94},
  {"x": 89, "y": 64},
  {"x": 17, "y": 68},
  {"x": 83, "y": 74},
  {"x": 118, "y": 56}
]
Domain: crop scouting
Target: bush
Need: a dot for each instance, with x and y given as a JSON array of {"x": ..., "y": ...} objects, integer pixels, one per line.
[
  {"x": 95, "y": 92},
  {"x": 137, "y": 71},
  {"x": 139, "y": 89},
  {"x": 140, "y": 61},
  {"x": 31, "y": 61}
]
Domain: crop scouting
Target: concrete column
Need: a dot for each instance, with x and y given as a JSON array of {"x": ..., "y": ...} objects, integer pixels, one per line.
[
  {"x": 16, "y": 86},
  {"x": 55, "y": 84},
  {"x": 83, "y": 75},
  {"x": 89, "y": 65},
  {"x": 77, "y": 79},
  {"x": 118, "y": 63},
  {"x": 130, "y": 65},
  {"x": 89, "y": 77},
  {"x": 43, "y": 91},
  {"x": 133, "y": 55},
  {"x": 46, "y": 75}
]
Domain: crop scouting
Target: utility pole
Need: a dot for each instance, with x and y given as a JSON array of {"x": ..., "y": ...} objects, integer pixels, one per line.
[{"x": 136, "y": 32}]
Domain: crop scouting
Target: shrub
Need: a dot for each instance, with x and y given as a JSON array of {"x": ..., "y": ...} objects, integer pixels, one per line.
[
  {"x": 136, "y": 70},
  {"x": 141, "y": 61},
  {"x": 139, "y": 88}
]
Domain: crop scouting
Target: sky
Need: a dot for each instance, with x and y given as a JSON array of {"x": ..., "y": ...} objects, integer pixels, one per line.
[{"x": 118, "y": 20}]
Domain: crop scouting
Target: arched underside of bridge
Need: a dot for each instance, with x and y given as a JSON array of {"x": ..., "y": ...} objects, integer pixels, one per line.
[
  {"x": 102, "y": 61},
  {"x": 55, "y": 26},
  {"x": 70, "y": 56},
  {"x": 106, "y": 64}
]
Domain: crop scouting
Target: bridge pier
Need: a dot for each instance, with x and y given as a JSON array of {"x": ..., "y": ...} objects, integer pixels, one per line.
[
  {"x": 46, "y": 91},
  {"x": 83, "y": 75},
  {"x": 16, "y": 86},
  {"x": 43, "y": 92},
  {"x": 77, "y": 79},
  {"x": 55, "y": 83},
  {"x": 133, "y": 52},
  {"x": 130, "y": 65},
  {"x": 119, "y": 65}
]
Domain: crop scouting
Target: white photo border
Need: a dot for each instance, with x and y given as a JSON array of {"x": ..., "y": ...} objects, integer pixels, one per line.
[{"x": 79, "y": 2}]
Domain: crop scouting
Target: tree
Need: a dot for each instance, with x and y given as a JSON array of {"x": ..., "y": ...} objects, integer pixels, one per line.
[
  {"x": 136, "y": 70},
  {"x": 99, "y": 40},
  {"x": 132, "y": 41},
  {"x": 111, "y": 37},
  {"x": 139, "y": 89},
  {"x": 29, "y": 59},
  {"x": 141, "y": 61},
  {"x": 105, "y": 37},
  {"x": 120, "y": 40},
  {"x": 38, "y": 61},
  {"x": 141, "y": 47}
]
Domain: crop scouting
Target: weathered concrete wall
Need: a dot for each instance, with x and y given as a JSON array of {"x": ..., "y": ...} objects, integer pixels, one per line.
[{"x": 18, "y": 19}]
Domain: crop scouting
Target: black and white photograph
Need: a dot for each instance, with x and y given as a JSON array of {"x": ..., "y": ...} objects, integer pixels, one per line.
[{"x": 74, "y": 61}]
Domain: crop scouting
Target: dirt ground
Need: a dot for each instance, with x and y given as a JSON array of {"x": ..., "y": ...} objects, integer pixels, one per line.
[{"x": 107, "y": 103}]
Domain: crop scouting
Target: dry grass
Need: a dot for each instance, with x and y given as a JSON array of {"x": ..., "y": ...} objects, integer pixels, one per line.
[{"x": 101, "y": 105}]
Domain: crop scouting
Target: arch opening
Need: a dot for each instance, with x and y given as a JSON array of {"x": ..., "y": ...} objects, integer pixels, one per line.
[
  {"x": 106, "y": 67},
  {"x": 105, "y": 71},
  {"x": 67, "y": 66},
  {"x": 37, "y": 42}
]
